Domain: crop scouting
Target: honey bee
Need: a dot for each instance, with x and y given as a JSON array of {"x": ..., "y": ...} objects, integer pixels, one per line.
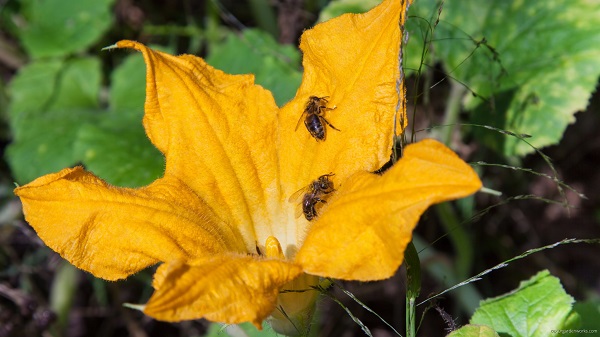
[
  {"x": 314, "y": 117},
  {"x": 311, "y": 195}
]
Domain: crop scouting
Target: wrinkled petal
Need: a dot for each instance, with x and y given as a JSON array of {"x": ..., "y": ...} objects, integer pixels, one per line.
[
  {"x": 364, "y": 230},
  {"x": 114, "y": 232},
  {"x": 227, "y": 288},
  {"x": 353, "y": 59},
  {"x": 218, "y": 133}
]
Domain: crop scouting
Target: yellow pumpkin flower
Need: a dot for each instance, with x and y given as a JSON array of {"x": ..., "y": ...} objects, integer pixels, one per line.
[{"x": 220, "y": 221}]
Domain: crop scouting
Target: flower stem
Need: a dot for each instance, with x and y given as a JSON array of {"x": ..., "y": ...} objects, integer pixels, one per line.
[
  {"x": 459, "y": 237},
  {"x": 457, "y": 91},
  {"x": 413, "y": 286}
]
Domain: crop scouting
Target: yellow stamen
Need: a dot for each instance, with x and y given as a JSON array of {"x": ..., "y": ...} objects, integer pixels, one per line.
[{"x": 273, "y": 248}]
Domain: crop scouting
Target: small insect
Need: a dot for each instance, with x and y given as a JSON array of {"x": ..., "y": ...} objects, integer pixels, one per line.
[
  {"x": 311, "y": 195},
  {"x": 314, "y": 117}
]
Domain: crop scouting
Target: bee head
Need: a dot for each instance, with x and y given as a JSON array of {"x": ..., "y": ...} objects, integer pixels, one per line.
[{"x": 325, "y": 184}]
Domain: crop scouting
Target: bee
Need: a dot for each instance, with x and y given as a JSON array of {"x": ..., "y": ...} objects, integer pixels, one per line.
[
  {"x": 314, "y": 117},
  {"x": 311, "y": 195}
]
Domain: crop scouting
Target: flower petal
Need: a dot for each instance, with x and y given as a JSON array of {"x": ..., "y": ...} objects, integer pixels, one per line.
[
  {"x": 363, "y": 232},
  {"x": 114, "y": 232},
  {"x": 226, "y": 288},
  {"x": 354, "y": 60},
  {"x": 218, "y": 133}
]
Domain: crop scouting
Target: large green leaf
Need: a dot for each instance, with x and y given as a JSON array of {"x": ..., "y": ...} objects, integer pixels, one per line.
[
  {"x": 47, "y": 144},
  {"x": 536, "y": 308},
  {"x": 58, "y": 27},
  {"x": 78, "y": 84},
  {"x": 275, "y": 66},
  {"x": 128, "y": 84},
  {"x": 540, "y": 65},
  {"x": 51, "y": 100},
  {"x": 31, "y": 90},
  {"x": 117, "y": 150},
  {"x": 48, "y": 84}
]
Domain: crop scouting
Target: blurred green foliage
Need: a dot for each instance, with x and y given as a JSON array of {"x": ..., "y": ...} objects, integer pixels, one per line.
[
  {"x": 57, "y": 28},
  {"x": 275, "y": 66},
  {"x": 58, "y": 115},
  {"x": 589, "y": 313},
  {"x": 530, "y": 65},
  {"x": 50, "y": 100}
]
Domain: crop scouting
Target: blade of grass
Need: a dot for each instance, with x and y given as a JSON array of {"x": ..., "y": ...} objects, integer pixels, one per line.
[
  {"x": 351, "y": 295},
  {"x": 505, "y": 263}
]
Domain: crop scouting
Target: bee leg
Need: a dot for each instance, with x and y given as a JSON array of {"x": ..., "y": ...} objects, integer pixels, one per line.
[
  {"x": 323, "y": 109},
  {"x": 298, "y": 124},
  {"x": 333, "y": 127}
]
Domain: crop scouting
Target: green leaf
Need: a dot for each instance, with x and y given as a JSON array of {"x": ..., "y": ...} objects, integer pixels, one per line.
[
  {"x": 128, "y": 84},
  {"x": 537, "y": 307},
  {"x": 78, "y": 84},
  {"x": 117, "y": 150},
  {"x": 51, "y": 100},
  {"x": 472, "y": 330},
  {"x": 57, "y": 122},
  {"x": 275, "y": 66},
  {"x": 31, "y": 89},
  {"x": 54, "y": 84},
  {"x": 539, "y": 66},
  {"x": 58, "y": 28},
  {"x": 46, "y": 145},
  {"x": 338, "y": 7}
]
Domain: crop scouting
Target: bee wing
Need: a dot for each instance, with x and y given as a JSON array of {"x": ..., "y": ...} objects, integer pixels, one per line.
[
  {"x": 297, "y": 196},
  {"x": 301, "y": 116},
  {"x": 299, "y": 210}
]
